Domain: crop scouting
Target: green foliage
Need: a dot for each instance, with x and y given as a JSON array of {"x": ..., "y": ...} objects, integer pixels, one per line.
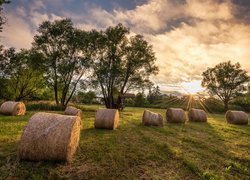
[
  {"x": 214, "y": 105},
  {"x": 43, "y": 106},
  {"x": 140, "y": 100},
  {"x": 225, "y": 81},
  {"x": 243, "y": 101},
  {"x": 129, "y": 102},
  {"x": 64, "y": 50},
  {"x": 20, "y": 77},
  {"x": 154, "y": 95},
  {"x": 187, "y": 102},
  {"x": 44, "y": 94},
  {"x": 120, "y": 63},
  {"x": 85, "y": 97}
]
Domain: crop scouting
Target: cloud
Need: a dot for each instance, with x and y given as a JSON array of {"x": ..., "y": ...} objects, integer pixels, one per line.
[
  {"x": 22, "y": 24},
  {"x": 209, "y": 10},
  {"x": 151, "y": 17},
  {"x": 185, "y": 52},
  {"x": 187, "y": 49},
  {"x": 187, "y": 35},
  {"x": 17, "y": 33}
]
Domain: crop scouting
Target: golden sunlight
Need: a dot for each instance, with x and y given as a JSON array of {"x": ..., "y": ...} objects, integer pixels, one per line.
[{"x": 192, "y": 87}]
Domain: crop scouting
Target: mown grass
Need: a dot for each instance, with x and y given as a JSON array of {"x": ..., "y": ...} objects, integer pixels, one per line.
[{"x": 213, "y": 150}]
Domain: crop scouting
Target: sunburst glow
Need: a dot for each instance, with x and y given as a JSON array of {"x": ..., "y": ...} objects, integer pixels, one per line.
[{"x": 192, "y": 87}]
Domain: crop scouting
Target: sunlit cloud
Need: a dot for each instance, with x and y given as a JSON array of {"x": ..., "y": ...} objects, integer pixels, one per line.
[
  {"x": 17, "y": 33},
  {"x": 187, "y": 36}
]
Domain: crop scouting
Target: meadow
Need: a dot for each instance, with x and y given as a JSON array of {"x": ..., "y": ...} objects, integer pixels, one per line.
[{"x": 212, "y": 150}]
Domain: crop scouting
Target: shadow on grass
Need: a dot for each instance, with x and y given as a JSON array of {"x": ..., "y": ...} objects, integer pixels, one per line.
[{"x": 201, "y": 147}]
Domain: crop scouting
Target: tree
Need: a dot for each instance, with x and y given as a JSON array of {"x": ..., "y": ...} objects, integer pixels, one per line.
[
  {"x": 20, "y": 76},
  {"x": 63, "y": 47},
  {"x": 2, "y": 19},
  {"x": 140, "y": 100},
  {"x": 87, "y": 97},
  {"x": 225, "y": 81},
  {"x": 120, "y": 63},
  {"x": 154, "y": 95}
]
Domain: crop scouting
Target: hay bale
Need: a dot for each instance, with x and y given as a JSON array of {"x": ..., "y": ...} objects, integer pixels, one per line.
[
  {"x": 72, "y": 111},
  {"x": 197, "y": 115},
  {"x": 50, "y": 136},
  {"x": 152, "y": 119},
  {"x": 106, "y": 119},
  {"x": 13, "y": 108},
  {"x": 176, "y": 115},
  {"x": 237, "y": 117}
]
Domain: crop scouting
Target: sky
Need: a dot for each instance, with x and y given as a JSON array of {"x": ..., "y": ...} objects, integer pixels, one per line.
[{"x": 188, "y": 36}]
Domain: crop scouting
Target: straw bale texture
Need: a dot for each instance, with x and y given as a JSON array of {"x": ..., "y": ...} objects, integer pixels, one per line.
[
  {"x": 106, "y": 119},
  {"x": 152, "y": 119},
  {"x": 176, "y": 115},
  {"x": 197, "y": 115},
  {"x": 237, "y": 117},
  {"x": 72, "y": 111},
  {"x": 13, "y": 108},
  {"x": 50, "y": 136}
]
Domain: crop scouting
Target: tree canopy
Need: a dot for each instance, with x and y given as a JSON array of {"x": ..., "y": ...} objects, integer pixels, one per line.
[
  {"x": 20, "y": 78},
  {"x": 120, "y": 63},
  {"x": 225, "y": 81},
  {"x": 111, "y": 60},
  {"x": 64, "y": 48}
]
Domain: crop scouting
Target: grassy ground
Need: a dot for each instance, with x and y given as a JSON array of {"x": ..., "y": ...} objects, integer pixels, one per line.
[{"x": 213, "y": 150}]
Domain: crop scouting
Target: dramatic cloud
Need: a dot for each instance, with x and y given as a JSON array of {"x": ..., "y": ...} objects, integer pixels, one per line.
[
  {"x": 187, "y": 35},
  {"x": 209, "y": 10},
  {"x": 17, "y": 33},
  {"x": 22, "y": 24}
]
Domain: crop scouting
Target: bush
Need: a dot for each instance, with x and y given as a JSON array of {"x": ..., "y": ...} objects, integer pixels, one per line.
[
  {"x": 214, "y": 105},
  {"x": 43, "y": 106},
  {"x": 243, "y": 102}
]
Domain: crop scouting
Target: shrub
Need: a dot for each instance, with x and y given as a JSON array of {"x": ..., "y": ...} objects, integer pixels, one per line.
[{"x": 43, "y": 106}]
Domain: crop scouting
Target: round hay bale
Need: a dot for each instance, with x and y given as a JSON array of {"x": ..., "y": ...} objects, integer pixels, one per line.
[
  {"x": 106, "y": 119},
  {"x": 152, "y": 119},
  {"x": 197, "y": 115},
  {"x": 13, "y": 108},
  {"x": 237, "y": 117},
  {"x": 51, "y": 137},
  {"x": 72, "y": 111},
  {"x": 175, "y": 115}
]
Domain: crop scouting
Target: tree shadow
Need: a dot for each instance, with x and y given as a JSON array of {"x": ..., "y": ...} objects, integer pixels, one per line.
[{"x": 206, "y": 144}]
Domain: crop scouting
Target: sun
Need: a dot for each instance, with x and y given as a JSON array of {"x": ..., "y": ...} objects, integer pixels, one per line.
[{"x": 192, "y": 87}]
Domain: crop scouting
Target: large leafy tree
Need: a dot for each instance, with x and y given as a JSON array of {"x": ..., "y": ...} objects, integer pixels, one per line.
[
  {"x": 120, "y": 63},
  {"x": 64, "y": 49},
  {"x": 20, "y": 78},
  {"x": 225, "y": 81}
]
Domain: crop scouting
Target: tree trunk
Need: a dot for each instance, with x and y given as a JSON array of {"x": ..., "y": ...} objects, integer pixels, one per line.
[
  {"x": 63, "y": 99},
  {"x": 56, "y": 93},
  {"x": 105, "y": 101},
  {"x": 225, "y": 105},
  {"x": 109, "y": 104},
  {"x": 113, "y": 105},
  {"x": 119, "y": 103},
  {"x": 18, "y": 99}
]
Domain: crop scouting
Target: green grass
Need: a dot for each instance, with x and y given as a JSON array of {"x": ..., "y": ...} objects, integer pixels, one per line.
[{"x": 213, "y": 150}]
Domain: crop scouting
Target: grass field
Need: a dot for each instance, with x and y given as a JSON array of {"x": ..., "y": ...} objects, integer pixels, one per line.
[{"x": 213, "y": 150}]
